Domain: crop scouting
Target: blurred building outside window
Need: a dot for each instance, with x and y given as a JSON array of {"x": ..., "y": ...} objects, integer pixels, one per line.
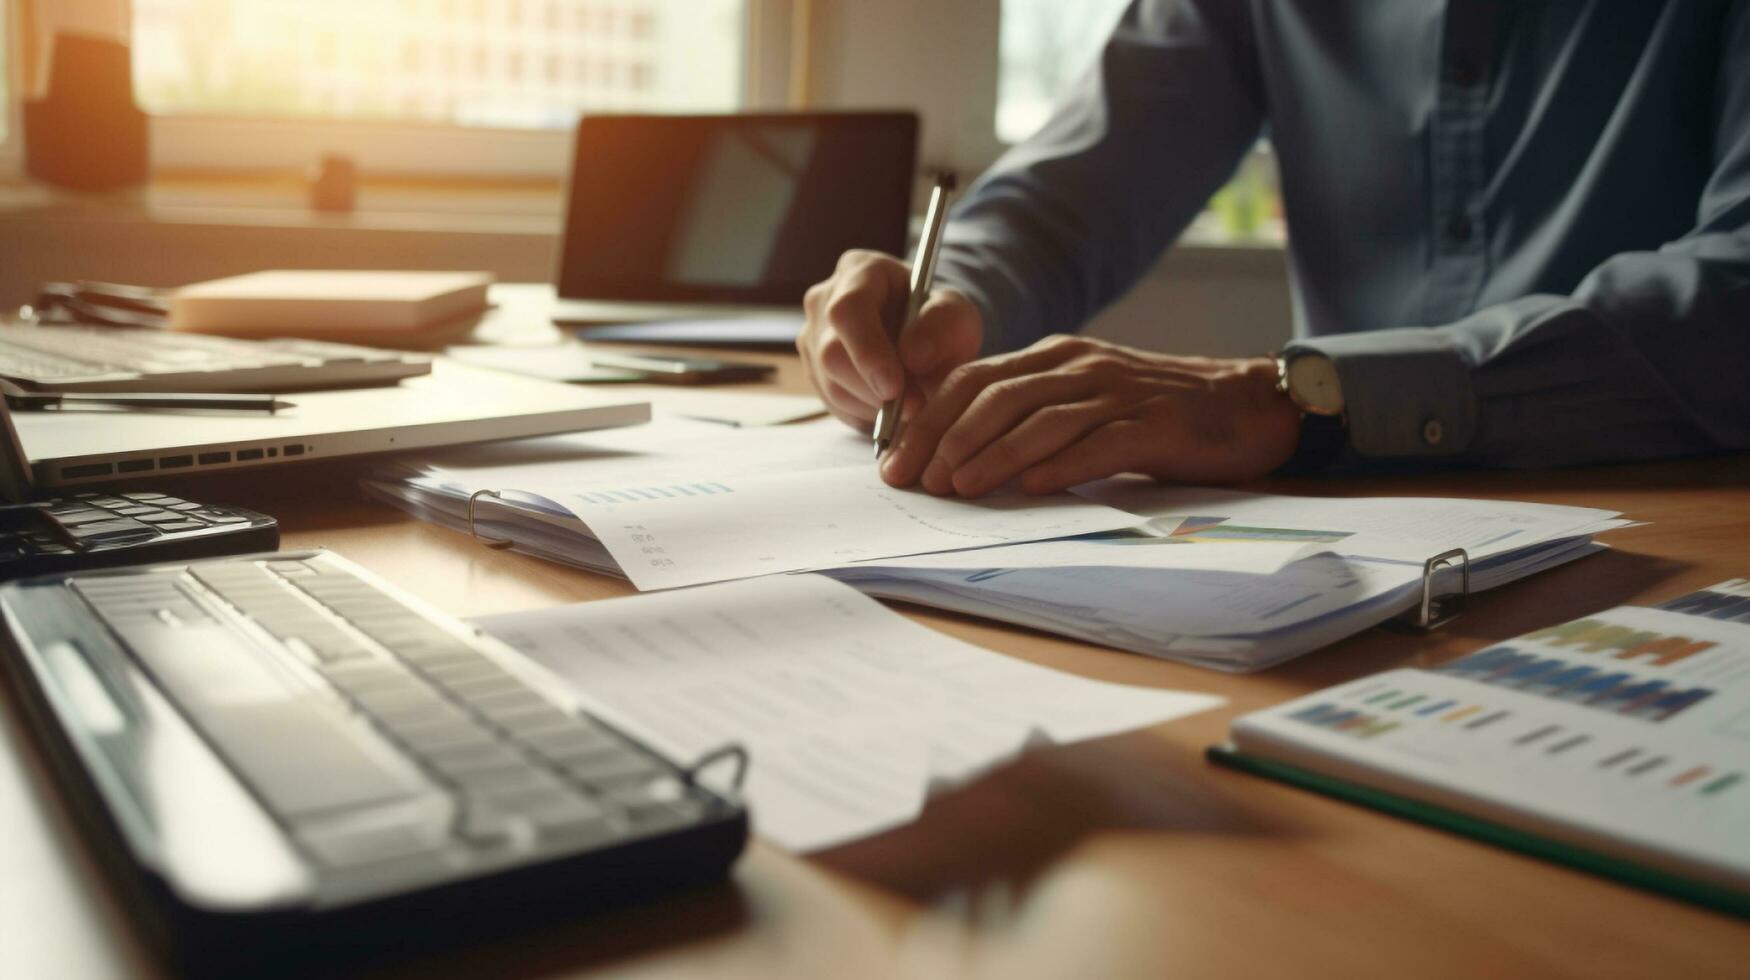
[{"x": 400, "y": 61}]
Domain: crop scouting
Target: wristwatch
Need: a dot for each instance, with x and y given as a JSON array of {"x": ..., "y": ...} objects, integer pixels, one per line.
[{"x": 1310, "y": 381}]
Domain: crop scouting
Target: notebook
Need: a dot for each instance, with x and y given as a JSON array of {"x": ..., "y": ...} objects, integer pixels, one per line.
[
  {"x": 327, "y": 301},
  {"x": 1618, "y": 743}
]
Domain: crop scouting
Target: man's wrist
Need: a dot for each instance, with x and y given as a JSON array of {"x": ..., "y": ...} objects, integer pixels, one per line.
[{"x": 1321, "y": 425}]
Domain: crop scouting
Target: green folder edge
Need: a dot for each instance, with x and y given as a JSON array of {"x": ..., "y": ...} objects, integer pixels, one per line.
[{"x": 1701, "y": 893}]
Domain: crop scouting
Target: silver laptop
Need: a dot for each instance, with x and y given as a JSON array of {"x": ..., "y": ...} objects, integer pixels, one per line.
[
  {"x": 453, "y": 404},
  {"x": 82, "y": 357}
]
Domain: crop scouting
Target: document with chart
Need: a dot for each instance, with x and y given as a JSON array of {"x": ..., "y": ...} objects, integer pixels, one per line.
[
  {"x": 853, "y": 715},
  {"x": 1322, "y": 569},
  {"x": 1625, "y": 734},
  {"x": 680, "y": 503}
]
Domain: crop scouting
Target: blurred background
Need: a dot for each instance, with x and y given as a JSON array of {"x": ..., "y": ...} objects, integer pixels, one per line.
[{"x": 455, "y": 117}]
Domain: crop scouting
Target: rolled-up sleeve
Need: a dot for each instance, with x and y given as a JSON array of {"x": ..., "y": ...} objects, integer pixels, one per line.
[{"x": 1068, "y": 219}]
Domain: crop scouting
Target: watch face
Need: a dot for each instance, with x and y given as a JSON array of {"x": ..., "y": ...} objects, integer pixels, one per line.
[{"x": 1314, "y": 385}]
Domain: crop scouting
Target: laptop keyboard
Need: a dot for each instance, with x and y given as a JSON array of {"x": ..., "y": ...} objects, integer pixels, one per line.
[
  {"x": 67, "y": 354},
  {"x": 514, "y": 772}
]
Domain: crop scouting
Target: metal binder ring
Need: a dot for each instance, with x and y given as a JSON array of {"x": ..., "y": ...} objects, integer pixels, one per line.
[
  {"x": 735, "y": 751},
  {"x": 498, "y": 544}
]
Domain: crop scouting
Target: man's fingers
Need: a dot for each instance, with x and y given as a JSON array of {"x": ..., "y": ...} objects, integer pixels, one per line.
[
  {"x": 920, "y": 432},
  {"x": 1000, "y": 407},
  {"x": 858, "y": 311},
  {"x": 847, "y": 407},
  {"x": 1116, "y": 447},
  {"x": 919, "y": 436},
  {"x": 946, "y": 333},
  {"x": 836, "y": 366},
  {"x": 1040, "y": 436}
]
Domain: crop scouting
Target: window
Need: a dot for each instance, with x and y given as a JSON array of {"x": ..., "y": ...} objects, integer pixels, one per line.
[
  {"x": 1044, "y": 46},
  {"x": 383, "y": 61},
  {"x": 6, "y": 69}
]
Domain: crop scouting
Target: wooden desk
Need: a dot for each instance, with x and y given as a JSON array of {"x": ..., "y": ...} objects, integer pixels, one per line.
[{"x": 1125, "y": 857}]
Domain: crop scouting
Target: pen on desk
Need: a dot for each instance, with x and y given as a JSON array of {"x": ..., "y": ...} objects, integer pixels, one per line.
[
  {"x": 25, "y": 401},
  {"x": 923, "y": 270}
]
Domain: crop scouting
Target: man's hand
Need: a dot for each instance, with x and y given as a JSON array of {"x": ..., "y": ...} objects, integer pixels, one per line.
[
  {"x": 1072, "y": 409},
  {"x": 847, "y": 344}
]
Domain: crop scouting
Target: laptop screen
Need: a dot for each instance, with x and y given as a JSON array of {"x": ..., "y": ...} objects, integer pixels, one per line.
[{"x": 731, "y": 209}]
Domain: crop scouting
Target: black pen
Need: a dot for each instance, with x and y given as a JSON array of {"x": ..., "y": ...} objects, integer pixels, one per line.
[{"x": 923, "y": 271}]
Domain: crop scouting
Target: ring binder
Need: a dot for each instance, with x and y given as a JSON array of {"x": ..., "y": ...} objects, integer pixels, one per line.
[
  {"x": 733, "y": 750},
  {"x": 497, "y": 544},
  {"x": 1435, "y": 611}
]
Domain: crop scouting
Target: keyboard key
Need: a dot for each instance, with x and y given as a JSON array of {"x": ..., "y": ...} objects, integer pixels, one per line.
[
  {"x": 458, "y": 676},
  {"x": 156, "y": 516},
  {"x": 182, "y": 526},
  {"x": 180, "y": 505},
  {"x": 74, "y": 516},
  {"x": 363, "y": 675},
  {"x": 343, "y": 846},
  {"x": 473, "y": 758},
  {"x": 498, "y": 780},
  {"x": 301, "y": 757},
  {"x": 114, "y": 530},
  {"x": 218, "y": 517}
]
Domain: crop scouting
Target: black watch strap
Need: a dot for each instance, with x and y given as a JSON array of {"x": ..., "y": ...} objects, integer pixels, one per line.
[{"x": 1322, "y": 439}]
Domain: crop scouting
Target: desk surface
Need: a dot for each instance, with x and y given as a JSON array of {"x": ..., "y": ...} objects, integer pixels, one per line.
[{"x": 1128, "y": 856}]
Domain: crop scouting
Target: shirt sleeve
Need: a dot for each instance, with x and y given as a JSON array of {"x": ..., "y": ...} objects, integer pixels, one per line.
[
  {"x": 1648, "y": 357},
  {"x": 1068, "y": 219}
]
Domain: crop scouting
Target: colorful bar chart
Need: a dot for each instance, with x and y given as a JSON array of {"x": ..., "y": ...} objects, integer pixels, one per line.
[
  {"x": 1601, "y": 687},
  {"x": 1713, "y": 605}
]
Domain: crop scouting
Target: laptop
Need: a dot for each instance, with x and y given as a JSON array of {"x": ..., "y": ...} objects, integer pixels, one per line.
[
  {"x": 680, "y": 218},
  {"x": 452, "y": 404}
]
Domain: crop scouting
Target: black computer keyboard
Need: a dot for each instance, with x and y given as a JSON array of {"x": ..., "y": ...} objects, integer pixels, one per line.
[{"x": 400, "y": 756}]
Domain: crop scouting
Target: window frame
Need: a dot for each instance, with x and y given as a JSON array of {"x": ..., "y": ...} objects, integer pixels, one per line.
[{"x": 11, "y": 59}]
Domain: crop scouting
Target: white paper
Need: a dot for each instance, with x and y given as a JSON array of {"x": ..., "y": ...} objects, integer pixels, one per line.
[
  {"x": 678, "y": 506},
  {"x": 712, "y": 530},
  {"x": 1123, "y": 549},
  {"x": 738, "y": 408},
  {"x": 1392, "y": 528},
  {"x": 853, "y": 714}
]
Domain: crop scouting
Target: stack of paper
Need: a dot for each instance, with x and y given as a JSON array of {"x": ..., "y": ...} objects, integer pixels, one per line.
[
  {"x": 853, "y": 715},
  {"x": 1219, "y": 578},
  {"x": 679, "y": 503},
  {"x": 1368, "y": 569}
]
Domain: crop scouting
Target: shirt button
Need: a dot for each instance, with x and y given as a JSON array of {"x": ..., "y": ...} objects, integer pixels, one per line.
[
  {"x": 1458, "y": 227},
  {"x": 1433, "y": 432}
]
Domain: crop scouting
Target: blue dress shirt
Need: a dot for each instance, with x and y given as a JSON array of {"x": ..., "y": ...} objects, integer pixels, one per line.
[{"x": 1520, "y": 229}]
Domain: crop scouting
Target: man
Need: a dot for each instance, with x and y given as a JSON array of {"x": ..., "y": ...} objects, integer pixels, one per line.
[{"x": 1519, "y": 233}]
